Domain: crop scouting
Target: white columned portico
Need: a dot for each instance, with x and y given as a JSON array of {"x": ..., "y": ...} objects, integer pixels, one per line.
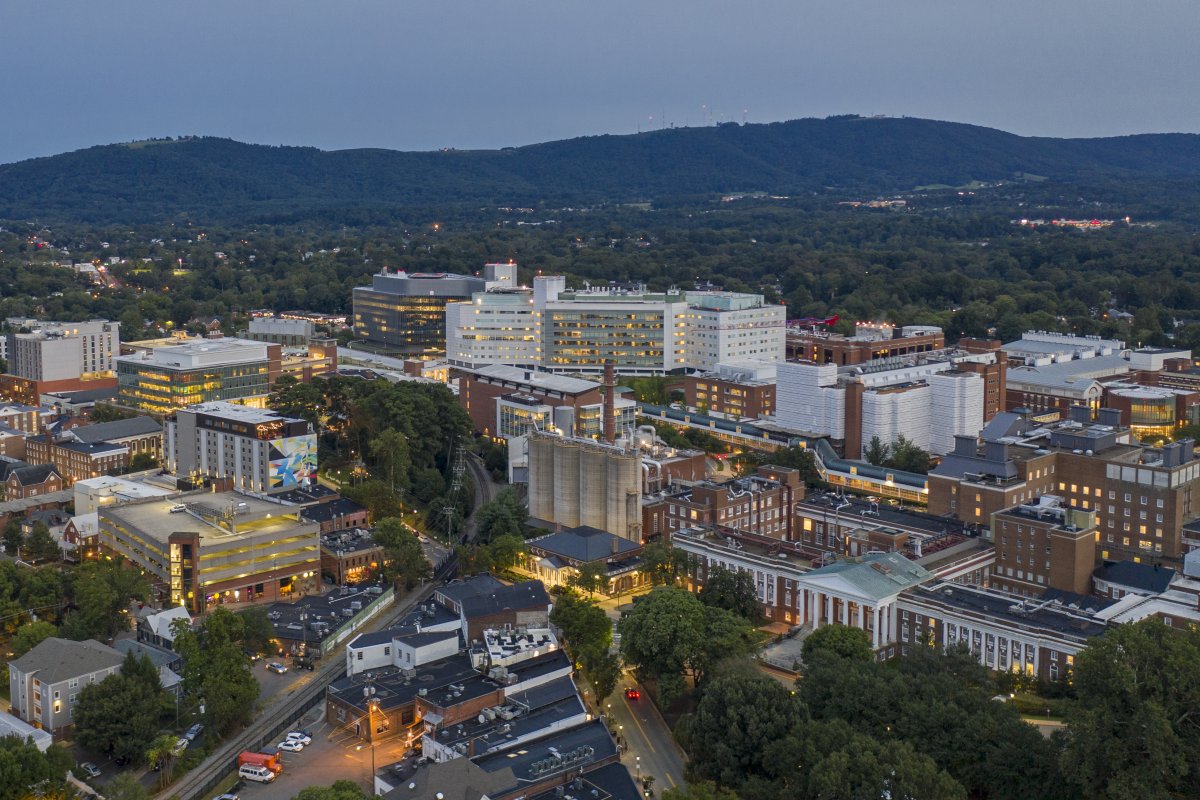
[{"x": 875, "y": 629}]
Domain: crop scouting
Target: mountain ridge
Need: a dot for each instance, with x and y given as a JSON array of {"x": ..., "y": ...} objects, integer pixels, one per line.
[{"x": 212, "y": 178}]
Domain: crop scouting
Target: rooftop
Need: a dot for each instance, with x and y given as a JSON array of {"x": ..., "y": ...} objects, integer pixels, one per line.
[
  {"x": 534, "y": 378},
  {"x": 527, "y": 594},
  {"x": 878, "y": 575},
  {"x": 215, "y": 515},
  {"x": 1151, "y": 578},
  {"x": 1068, "y": 374},
  {"x": 117, "y": 429},
  {"x": 584, "y": 544},
  {"x": 313, "y": 617},
  {"x": 324, "y": 512},
  {"x": 342, "y": 542},
  {"x": 55, "y": 660},
  {"x": 236, "y": 411},
  {"x": 1017, "y": 612}
]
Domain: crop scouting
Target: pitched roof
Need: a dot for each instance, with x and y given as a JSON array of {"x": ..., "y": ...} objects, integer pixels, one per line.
[
  {"x": 160, "y": 623},
  {"x": 117, "y": 429},
  {"x": 55, "y": 660},
  {"x": 529, "y": 594},
  {"x": 585, "y": 544},
  {"x": 878, "y": 576},
  {"x": 475, "y": 585},
  {"x": 33, "y": 475},
  {"x": 157, "y": 655}
]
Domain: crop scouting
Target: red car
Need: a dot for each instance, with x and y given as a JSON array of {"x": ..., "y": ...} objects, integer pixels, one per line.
[{"x": 633, "y": 694}]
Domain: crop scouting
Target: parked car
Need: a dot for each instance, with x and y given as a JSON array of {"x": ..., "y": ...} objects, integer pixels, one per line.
[
  {"x": 291, "y": 745},
  {"x": 193, "y": 732},
  {"x": 227, "y": 796},
  {"x": 299, "y": 736},
  {"x": 180, "y": 745},
  {"x": 90, "y": 769},
  {"x": 276, "y": 667}
]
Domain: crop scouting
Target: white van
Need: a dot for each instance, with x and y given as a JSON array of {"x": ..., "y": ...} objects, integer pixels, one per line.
[
  {"x": 178, "y": 508},
  {"x": 253, "y": 772}
]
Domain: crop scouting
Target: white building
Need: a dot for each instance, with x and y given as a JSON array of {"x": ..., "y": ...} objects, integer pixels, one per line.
[
  {"x": 493, "y": 328},
  {"x": 928, "y": 404},
  {"x": 56, "y": 351},
  {"x": 809, "y": 399},
  {"x": 728, "y": 326},
  {"x": 262, "y": 451},
  {"x": 641, "y": 332}
]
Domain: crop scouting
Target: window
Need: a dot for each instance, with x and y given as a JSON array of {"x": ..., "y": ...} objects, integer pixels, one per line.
[{"x": 360, "y": 655}]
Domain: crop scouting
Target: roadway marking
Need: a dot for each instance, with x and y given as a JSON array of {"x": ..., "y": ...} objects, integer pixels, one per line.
[{"x": 633, "y": 716}]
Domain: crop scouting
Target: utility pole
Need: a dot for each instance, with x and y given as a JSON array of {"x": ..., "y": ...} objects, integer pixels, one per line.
[{"x": 450, "y": 509}]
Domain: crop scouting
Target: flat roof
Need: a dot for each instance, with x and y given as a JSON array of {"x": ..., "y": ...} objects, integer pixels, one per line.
[
  {"x": 590, "y": 742},
  {"x": 1017, "y": 611},
  {"x": 219, "y": 408},
  {"x": 393, "y": 688},
  {"x": 250, "y": 515},
  {"x": 535, "y": 378},
  {"x": 322, "y": 614}
]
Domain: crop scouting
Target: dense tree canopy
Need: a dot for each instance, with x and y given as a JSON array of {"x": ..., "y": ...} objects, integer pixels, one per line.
[
  {"x": 119, "y": 715},
  {"x": 216, "y": 670},
  {"x": 1134, "y": 729}
]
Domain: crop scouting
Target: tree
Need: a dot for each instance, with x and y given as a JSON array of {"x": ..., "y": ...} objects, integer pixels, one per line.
[
  {"x": 119, "y": 715},
  {"x": 657, "y": 562},
  {"x": 877, "y": 452},
  {"x": 40, "y": 545},
  {"x": 733, "y": 591},
  {"x": 391, "y": 454},
  {"x": 740, "y": 713},
  {"x": 840, "y": 641},
  {"x": 341, "y": 790},
  {"x": 603, "y": 670},
  {"x": 908, "y": 457},
  {"x": 404, "y": 558},
  {"x": 590, "y": 577},
  {"x": 1134, "y": 727},
  {"x": 23, "y": 765},
  {"x": 216, "y": 670},
  {"x": 502, "y": 553},
  {"x": 126, "y": 786},
  {"x": 584, "y": 625},
  {"x": 662, "y": 635},
  {"x": 699, "y": 790},
  {"x": 102, "y": 591},
  {"x": 161, "y": 753},
  {"x": 30, "y": 635},
  {"x": 378, "y": 498},
  {"x": 506, "y": 515},
  {"x": 142, "y": 461},
  {"x": 257, "y": 630},
  {"x": 13, "y": 539}
]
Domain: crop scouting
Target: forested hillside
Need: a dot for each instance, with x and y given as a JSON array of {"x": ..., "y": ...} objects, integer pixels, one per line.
[{"x": 209, "y": 179}]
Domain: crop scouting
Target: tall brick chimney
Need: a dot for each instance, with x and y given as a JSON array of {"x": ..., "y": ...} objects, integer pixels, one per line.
[{"x": 610, "y": 406}]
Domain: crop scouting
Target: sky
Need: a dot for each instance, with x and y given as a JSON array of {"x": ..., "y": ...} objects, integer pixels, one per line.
[{"x": 492, "y": 73}]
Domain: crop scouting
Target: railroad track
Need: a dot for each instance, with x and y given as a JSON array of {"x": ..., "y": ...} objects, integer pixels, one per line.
[{"x": 284, "y": 711}]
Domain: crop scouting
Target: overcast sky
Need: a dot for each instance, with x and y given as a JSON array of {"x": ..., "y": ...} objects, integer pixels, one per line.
[{"x": 491, "y": 73}]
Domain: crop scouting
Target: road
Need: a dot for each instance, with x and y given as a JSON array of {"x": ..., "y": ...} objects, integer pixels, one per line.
[{"x": 650, "y": 748}]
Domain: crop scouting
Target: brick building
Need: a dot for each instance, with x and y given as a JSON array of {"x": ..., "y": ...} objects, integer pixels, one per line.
[
  {"x": 742, "y": 391},
  {"x": 871, "y": 341},
  {"x": 761, "y": 503},
  {"x": 1044, "y": 545},
  {"x": 1143, "y": 497},
  {"x": 32, "y": 481}
]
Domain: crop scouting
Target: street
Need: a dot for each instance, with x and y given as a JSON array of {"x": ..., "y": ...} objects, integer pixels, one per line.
[{"x": 650, "y": 748}]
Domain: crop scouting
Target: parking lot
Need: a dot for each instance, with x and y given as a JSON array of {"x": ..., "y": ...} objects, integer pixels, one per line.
[{"x": 334, "y": 754}]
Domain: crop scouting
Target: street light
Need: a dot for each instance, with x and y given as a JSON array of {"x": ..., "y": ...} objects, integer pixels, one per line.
[{"x": 638, "y": 762}]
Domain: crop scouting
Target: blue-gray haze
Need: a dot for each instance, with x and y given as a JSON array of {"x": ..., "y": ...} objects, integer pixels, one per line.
[{"x": 490, "y": 73}]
